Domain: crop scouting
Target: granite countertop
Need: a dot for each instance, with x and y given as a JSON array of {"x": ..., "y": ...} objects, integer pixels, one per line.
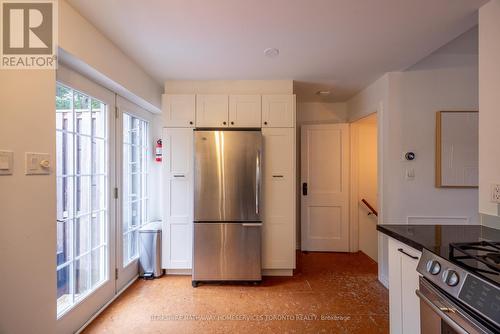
[{"x": 437, "y": 238}]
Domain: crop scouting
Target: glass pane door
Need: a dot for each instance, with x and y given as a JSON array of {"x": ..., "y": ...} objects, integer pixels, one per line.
[
  {"x": 82, "y": 196},
  {"x": 134, "y": 185}
]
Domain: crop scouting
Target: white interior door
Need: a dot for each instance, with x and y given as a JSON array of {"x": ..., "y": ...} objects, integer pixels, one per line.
[{"x": 325, "y": 187}]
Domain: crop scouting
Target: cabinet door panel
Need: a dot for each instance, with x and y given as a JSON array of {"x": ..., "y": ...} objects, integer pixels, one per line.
[
  {"x": 410, "y": 301},
  {"x": 178, "y": 198},
  {"x": 395, "y": 316},
  {"x": 278, "y": 111},
  {"x": 245, "y": 111},
  {"x": 178, "y": 110},
  {"x": 212, "y": 111},
  {"x": 404, "y": 305},
  {"x": 279, "y": 199}
]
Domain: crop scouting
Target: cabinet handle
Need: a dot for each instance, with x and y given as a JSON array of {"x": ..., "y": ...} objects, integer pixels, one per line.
[
  {"x": 224, "y": 123},
  {"x": 232, "y": 123},
  {"x": 265, "y": 123},
  {"x": 304, "y": 188},
  {"x": 277, "y": 175},
  {"x": 405, "y": 253},
  {"x": 179, "y": 175},
  {"x": 191, "y": 122}
]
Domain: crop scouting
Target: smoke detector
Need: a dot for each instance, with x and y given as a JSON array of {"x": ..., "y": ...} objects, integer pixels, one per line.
[{"x": 271, "y": 52}]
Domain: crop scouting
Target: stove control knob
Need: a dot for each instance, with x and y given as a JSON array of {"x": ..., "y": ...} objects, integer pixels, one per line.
[
  {"x": 450, "y": 277},
  {"x": 433, "y": 267}
]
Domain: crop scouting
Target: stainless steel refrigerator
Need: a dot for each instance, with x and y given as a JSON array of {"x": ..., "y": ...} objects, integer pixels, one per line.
[{"x": 227, "y": 206}]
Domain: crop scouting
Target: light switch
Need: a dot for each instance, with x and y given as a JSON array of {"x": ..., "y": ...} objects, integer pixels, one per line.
[
  {"x": 37, "y": 163},
  {"x": 410, "y": 173},
  {"x": 6, "y": 162}
]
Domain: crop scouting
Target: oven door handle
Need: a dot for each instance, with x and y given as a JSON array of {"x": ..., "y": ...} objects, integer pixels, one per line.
[{"x": 442, "y": 312}]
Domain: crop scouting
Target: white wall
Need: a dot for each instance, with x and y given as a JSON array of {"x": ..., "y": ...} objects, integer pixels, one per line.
[
  {"x": 28, "y": 203},
  {"x": 317, "y": 113},
  {"x": 489, "y": 102},
  {"x": 406, "y": 103}
]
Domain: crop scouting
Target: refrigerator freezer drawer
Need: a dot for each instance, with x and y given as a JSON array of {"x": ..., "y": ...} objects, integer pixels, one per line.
[{"x": 227, "y": 252}]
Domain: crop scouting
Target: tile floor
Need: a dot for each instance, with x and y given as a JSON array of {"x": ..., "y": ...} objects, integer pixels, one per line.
[{"x": 329, "y": 293}]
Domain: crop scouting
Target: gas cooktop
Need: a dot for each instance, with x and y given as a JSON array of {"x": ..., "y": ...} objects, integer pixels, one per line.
[{"x": 481, "y": 258}]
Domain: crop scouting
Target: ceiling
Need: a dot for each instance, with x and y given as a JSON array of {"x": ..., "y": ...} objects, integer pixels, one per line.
[{"x": 337, "y": 45}]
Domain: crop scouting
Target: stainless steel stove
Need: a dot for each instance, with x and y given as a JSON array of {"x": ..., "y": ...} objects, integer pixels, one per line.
[{"x": 461, "y": 294}]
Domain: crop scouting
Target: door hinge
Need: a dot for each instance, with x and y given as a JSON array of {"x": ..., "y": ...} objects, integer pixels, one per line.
[
  {"x": 116, "y": 112},
  {"x": 116, "y": 273},
  {"x": 115, "y": 195}
]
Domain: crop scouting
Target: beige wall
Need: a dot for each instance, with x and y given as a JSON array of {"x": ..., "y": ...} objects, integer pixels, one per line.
[
  {"x": 27, "y": 204},
  {"x": 489, "y": 102},
  {"x": 229, "y": 87}
]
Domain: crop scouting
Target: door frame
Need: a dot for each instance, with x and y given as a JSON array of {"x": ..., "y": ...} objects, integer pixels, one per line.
[
  {"x": 303, "y": 210},
  {"x": 77, "y": 316}
]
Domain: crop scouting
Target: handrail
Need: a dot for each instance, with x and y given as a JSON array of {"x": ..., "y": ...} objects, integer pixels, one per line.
[{"x": 371, "y": 208}]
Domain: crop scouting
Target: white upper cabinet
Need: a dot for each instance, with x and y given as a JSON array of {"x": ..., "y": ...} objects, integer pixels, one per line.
[
  {"x": 278, "y": 111},
  {"x": 178, "y": 110},
  {"x": 212, "y": 111},
  {"x": 245, "y": 111},
  {"x": 278, "y": 234}
]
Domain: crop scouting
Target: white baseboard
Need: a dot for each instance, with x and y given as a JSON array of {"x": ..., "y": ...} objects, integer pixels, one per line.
[
  {"x": 277, "y": 272},
  {"x": 384, "y": 280},
  {"x": 185, "y": 272}
]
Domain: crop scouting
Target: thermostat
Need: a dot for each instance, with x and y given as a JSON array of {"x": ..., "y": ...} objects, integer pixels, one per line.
[{"x": 409, "y": 156}]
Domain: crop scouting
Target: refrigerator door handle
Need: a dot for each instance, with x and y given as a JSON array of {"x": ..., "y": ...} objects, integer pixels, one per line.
[
  {"x": 251, "y": 224},
  {"x": 257, "y": 183}
]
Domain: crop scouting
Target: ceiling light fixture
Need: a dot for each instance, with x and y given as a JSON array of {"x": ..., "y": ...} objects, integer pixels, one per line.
[
  {"x": 323, "y": 92},
  {"x": 271, "y": 52}
]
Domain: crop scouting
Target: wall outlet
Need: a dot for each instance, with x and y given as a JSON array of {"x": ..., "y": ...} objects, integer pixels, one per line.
[{"x": 495, "y": 193}]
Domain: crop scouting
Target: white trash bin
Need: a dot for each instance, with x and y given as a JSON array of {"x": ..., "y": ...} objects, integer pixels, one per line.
[{"x": 150, "y": 250}]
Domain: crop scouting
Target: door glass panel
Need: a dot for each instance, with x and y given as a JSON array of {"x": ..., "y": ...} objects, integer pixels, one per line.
[
  {"x": 134, "y": 194},
  {"x": 82, "y": 195}
]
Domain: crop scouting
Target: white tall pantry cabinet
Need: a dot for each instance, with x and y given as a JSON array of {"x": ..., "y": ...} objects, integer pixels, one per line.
[
  {"x": 178, "y": 197},
  {"x": 275, "y": 114}
]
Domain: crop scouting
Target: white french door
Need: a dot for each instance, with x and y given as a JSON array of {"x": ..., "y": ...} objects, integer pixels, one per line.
[
  {"x": 133, "y": 155},
  {"x": 85, "y": 132}
]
